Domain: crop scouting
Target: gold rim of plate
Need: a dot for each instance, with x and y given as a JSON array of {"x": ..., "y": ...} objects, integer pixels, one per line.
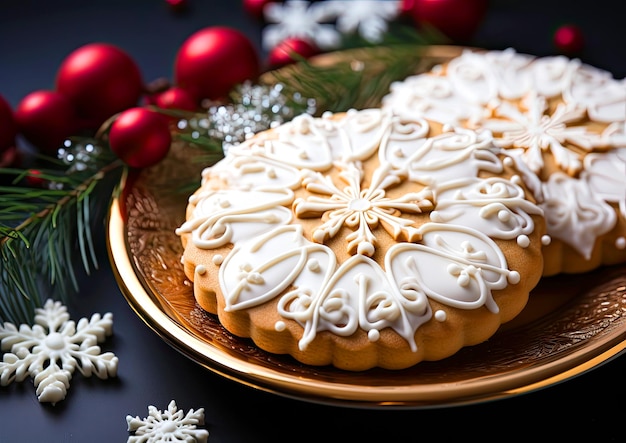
[{"x": 571, "y": 325}]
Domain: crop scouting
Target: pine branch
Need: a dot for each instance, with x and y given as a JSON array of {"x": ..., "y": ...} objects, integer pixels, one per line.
[
  {"x": 42, "y": 230},
  {"x": 357, "y": 78}
]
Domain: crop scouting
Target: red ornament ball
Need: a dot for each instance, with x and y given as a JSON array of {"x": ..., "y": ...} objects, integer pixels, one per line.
[
  {"x": 46, "y": 119},
  {"x": 8, "y": 128},
  {"x": 288, "y": 50},
  {"x": 101, "y": 80},
  {"x": 175, "y": 98},
  {"x": 569, "y": 39},
  {"x": 456, "y": 19},
  {"x": 9, "y": 158},
  {"x": 140, "y": 137},
  {"x": 255, "y": 7},
  {"x": 177, "y": 6},
  {"x": 34, "y": 179},
  {"x": 213, "y": 60}
]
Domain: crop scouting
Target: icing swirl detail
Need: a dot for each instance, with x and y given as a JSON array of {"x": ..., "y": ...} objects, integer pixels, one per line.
[
  {"x": 249, "y": 199},
  {"x": 572, "y": 211},
  {"x": 497, "y": 206},
  {"x": 513, "y": 96}
]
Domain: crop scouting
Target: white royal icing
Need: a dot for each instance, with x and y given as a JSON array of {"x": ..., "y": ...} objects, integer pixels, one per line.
[
  {"x": 572, "y": 211},
  {"x": 509, "y": 94},
  {"x": 452, "y": 259}
]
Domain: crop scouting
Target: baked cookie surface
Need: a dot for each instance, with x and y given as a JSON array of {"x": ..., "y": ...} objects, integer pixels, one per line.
[
  {"x": 363, "y": 239},
  {"x": 566, "y": 123}
]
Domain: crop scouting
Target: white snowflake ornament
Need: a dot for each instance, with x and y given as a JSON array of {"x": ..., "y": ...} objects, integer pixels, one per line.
[
  {"x": 324, "y": 22},
  {"x": 367, "y": 18},
  {"x": 170, "y": 425},
  {"x": 53, "y": 349},
  {"x": 300, "y": 19}
]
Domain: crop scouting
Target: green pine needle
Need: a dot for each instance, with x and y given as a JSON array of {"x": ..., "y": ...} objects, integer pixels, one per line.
[{"x": 41, "y": 231}]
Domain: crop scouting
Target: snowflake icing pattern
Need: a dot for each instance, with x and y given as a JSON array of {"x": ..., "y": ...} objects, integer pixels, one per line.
[
  {"x": 170, "y": 425},
  {"x": 536, "y": 131},
  {"x": 53, "y": 349},
  {"x": 361, "y": 209}
]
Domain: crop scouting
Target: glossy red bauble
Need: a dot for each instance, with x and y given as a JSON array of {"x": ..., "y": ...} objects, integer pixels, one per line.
[
  {"x": 9, "y": 158},
  {"x": 46, "y": 119},
  {"x": 214, "y": 60},
  {"x": 569, "y": 39},
  {"x": 140, "y": 137},
  {"x": 289, "y": 50},
  {"x": 8, "y": 128},
  {"x": 101, "y": 80},
  {"x": 174, "y": 98},
  {"x": 255, "y": 7},
  {"x": 177, "y": 6},
  {"x": 456, "y": 19}
]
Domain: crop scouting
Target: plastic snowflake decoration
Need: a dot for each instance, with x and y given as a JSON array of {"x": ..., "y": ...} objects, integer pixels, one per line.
[
  {"x": 367, "y": 18},
  {"x": 53, "y": 349},
  {"x": 170, "y": 425},
  {"x": 300, "y": 19},
  {"x": 323, "y": 23}
]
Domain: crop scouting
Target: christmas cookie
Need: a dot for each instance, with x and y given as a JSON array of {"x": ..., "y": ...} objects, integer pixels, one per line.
[
  {"x": 363, "y": 239},
  {"x": 563, "y": 120}
]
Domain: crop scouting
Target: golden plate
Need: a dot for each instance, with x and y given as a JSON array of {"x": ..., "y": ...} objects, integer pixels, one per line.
[{"x": 571, "y": 324}]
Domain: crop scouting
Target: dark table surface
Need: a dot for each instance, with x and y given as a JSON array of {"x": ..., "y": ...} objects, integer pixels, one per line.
[{"x": 35, "y": 36}]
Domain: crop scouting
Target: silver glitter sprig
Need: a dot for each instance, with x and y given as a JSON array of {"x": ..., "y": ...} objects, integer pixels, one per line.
[
  {"x": 254, "y": 108},
  {"x": 78, "y": 155}
]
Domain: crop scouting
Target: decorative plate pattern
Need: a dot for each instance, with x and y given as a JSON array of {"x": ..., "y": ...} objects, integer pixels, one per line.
[{"x": 571, "y": 324}]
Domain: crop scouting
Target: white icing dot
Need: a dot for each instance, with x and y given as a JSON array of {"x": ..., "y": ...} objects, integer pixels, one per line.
[
  {"x": 546, "y": 240},
  {"x": 440, "y": 315},
  {"x": 514, "y": 277},
  {"x": 523, "y": 241},
  {"x": 314, "y": 265},
  {"x": 366, "y": 248},
  {"x": 255, "y": 278},
  {"x": 436, "y": 217},
  {"x": 620, "y": 243},
  {"x": 318, "y": 236},
  {"x": 508, "y": 161},
  {"x": 218, "y": 259},
  {"x": 516, "y": 179},
  {"x": 200, "y": 270},
  {"x": 373, "y": 335},
  {"x": 463, "y": 280},
  {"x": 504, "y": 216},
  {"x": 280, "y": 326}
]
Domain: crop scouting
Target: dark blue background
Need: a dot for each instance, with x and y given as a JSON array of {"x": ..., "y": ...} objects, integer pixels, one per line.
[{"x": 35, "y": 36}]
